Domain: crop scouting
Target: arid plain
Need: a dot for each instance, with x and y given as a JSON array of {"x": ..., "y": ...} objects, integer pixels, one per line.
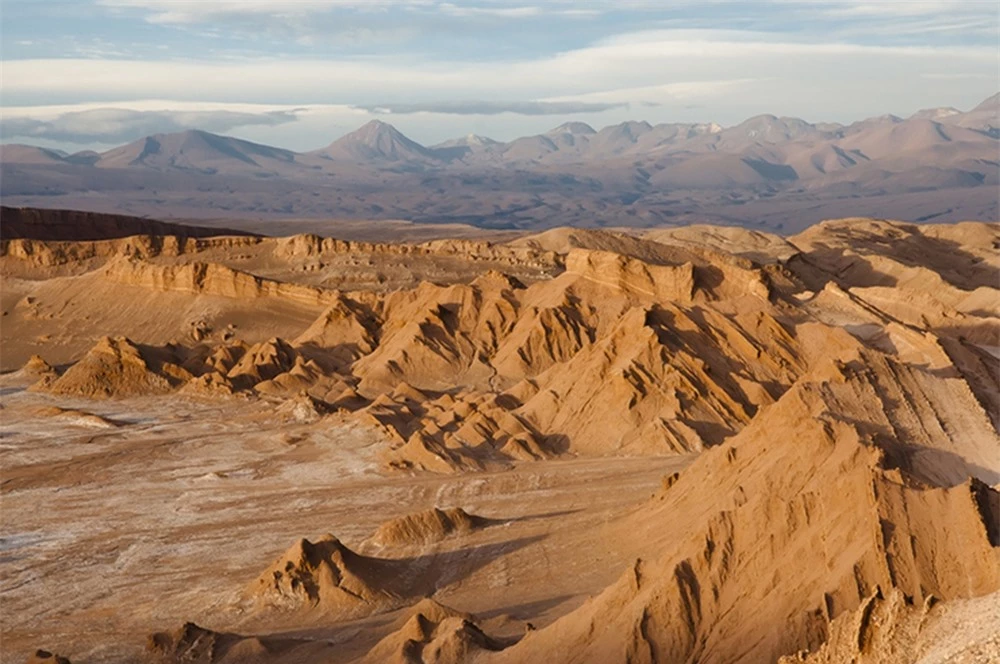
[{"x": 698, "y": 444}]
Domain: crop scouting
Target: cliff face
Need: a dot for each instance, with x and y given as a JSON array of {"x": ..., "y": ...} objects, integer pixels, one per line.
[
  {"x": 210, "y": 279},
  {"x": 76, "y": 225}
]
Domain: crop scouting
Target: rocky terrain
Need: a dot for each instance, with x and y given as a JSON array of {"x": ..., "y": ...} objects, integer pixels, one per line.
[
  {"x": 772, "y": 173},
  {"x": 696, "y": 444}
]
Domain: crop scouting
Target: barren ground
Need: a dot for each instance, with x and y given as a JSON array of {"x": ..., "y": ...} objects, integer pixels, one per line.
[{"x": 177, "y": 509}]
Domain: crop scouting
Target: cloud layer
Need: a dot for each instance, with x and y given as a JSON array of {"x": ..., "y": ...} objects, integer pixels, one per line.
[
  {"x": 504, "y": 66},
  {"x": 496, "y": 107},
  {"x": 642, "y": 59},
  {"x": 119, "y": 125}
]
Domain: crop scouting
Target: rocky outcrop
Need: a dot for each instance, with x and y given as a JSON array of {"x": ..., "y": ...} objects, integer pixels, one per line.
[
  {"x": 46, "y": 657},
  {"x": 117, "y": 367},
  {"x": 78, "y": 225},
  {"x": 192, "y": 643},
  {"x": 815, "y": 494},
  {"x": 433, "y": 634},
  {"x": 211, "y": 279},
  {"x": 326, "y": 576},
  {"x": 426, "y": 527},
  {"x": 890, "y": 628},
  {"x": 657, "y": 282}
]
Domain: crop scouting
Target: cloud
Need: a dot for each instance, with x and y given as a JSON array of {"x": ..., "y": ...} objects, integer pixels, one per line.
[
  {"x": 181, "y": 12},
  {"x": 633, "y": 60},
  {"x": 196, "y": 11},
  {"x": 495, "y": 107},
  {"x": 507, "y": 12},
  {"x": 742, "y": 43},
  {"x": 867, "y": 8},
  {"x": 959, "y": 76},
  {"x": 862, "y": 8},
  {"x": 707, "y": 12},
  {"x": 732, "y": 74},
  {"x": 663, "y": 93},
  {"x": 514, "y": 11},
  {"x": 119, "y": 125}
]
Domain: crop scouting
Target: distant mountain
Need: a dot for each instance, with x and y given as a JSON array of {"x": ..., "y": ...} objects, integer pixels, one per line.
[
  {"x": 29, "y": 154},
  {"x": 829, "y": 127},
  {"x": 573, "y": 129},
  {"x": 771, "y": 129},
  {"x": 817, "y": 161},
  {"x": 870, "y": 123},
  {"x": 86, "y": 157},
  {"x": 198, "y": 151},
  {"x": 767, "y": 169},
  {"x": 905, "y": 137},
  {"x": 377, "y": 142},
  {"x": 990, "y": 104},
  {"x": 936, "y": 114},
  {"x": 469, "y": 141},
  {"x": 529, "y": 149},
  {"x": 985, "y": 117},
  {"x": 618, "y": 138},
  {"x": 466, "y": 147}
]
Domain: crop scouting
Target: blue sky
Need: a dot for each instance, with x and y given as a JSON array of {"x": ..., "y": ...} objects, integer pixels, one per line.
[{"x": 299, "y": 73}]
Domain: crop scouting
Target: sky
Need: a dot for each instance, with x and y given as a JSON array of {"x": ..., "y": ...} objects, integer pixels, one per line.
[{"x": 91, "y": 74}]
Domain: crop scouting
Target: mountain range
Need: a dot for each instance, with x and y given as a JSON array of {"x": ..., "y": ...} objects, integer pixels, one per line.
[{"x": 777, "y": 172}]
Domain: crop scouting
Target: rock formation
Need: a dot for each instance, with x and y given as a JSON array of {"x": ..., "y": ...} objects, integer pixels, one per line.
[
  {"x": 433, "y": 634},
  {"x": 847, "y": 513},
  {"x": 426, "y": 527},
  {"x": 824, "y": 407},
  {"x": 116, "y": 367},
  {"x": 327, "y": 576},
  {"x": 46, "y": 657}
]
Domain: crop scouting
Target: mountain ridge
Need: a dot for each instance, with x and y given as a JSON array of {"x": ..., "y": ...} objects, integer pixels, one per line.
[
  {"x": 630, "y": 174},
  {"x": 378, "y": 131}
]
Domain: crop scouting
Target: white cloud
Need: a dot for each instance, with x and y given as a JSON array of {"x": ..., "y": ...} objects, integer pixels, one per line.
[
  {"x": 959, "y": 76},
  {"x": 189, "y": 11},
  {"x": 637, "y": 59},
  {"x": 119, "y": 125},
  {"x": 680, "y": 91},
  {"x": 51, "y": 111},
  {"x": 194, "y": 11},
  {"x": 662, "y": 74},
  {"x": 179, "y": 12},
  {"x": 508, "y": 12},
  {"x": 895, "y": 8},
  {"x": 389, "y": 24},
  {"x": 738, "y": 43},
  {"x": 474, "y": 107}
]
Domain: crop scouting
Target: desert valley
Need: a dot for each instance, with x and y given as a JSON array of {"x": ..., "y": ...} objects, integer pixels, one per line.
[
  {"x": 448, "y": 444},
  {"x": 499, "y": 332}
]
